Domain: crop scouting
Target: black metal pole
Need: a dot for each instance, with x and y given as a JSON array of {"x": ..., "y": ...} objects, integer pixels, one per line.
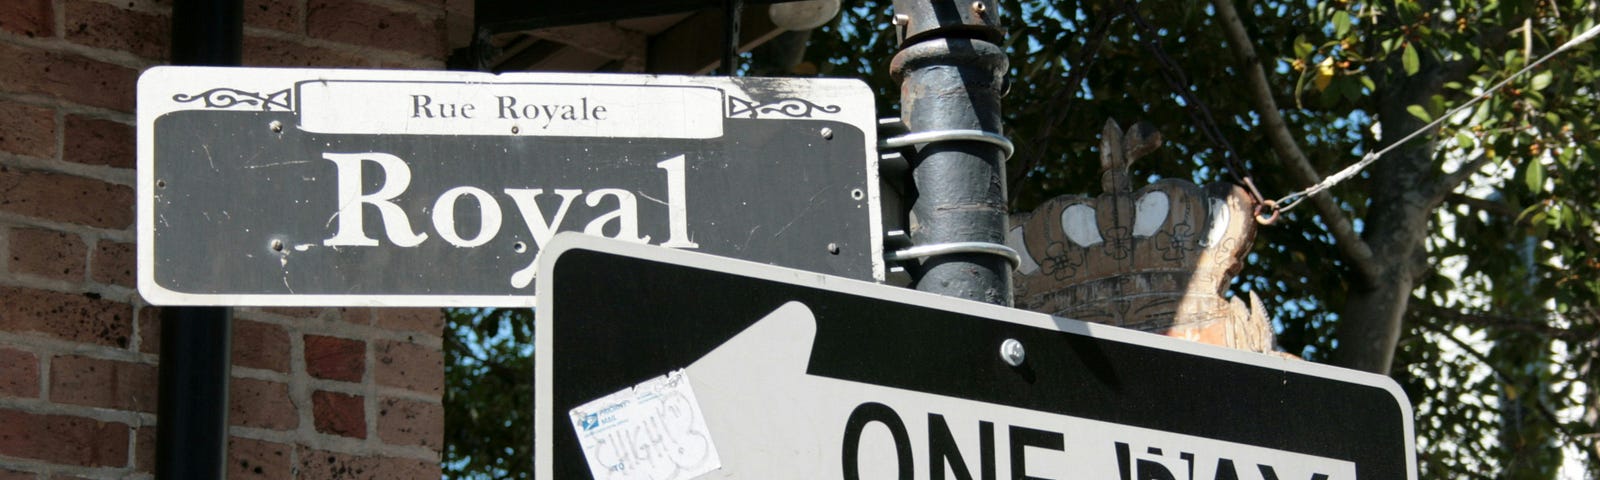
[
  {"x": 192, "y": 410},
  {"x": 951, "y": 70},
  {"x": 733, "y": 13}
]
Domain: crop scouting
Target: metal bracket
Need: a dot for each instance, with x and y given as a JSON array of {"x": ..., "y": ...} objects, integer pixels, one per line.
[
  {"x": 921, "y": 251},
  {"x": 933, "y": 136}
]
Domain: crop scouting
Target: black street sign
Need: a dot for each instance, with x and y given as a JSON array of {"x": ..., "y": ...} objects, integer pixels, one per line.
[
  {"x": 660, "y": 364},
  {"x": 423, "y": 188}
]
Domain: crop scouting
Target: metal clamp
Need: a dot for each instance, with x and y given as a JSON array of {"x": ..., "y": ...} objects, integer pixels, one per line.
[
  {"x": 921, "y": 251},
  {"x": 932, "y": 136}
]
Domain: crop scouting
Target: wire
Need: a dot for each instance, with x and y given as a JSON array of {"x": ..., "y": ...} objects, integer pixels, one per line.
[
  {"x": 1198, "y": 112},
  {"x": 1291, "y": 200}
]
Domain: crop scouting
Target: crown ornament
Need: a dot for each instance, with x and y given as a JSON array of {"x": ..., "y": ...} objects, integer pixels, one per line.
[{"x": 1157, "y": 259}]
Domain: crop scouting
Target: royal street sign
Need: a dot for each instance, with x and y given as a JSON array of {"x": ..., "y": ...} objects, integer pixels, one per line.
[
  {"x": 661, "y": 364},
  {"x": 425, "y": 188}
]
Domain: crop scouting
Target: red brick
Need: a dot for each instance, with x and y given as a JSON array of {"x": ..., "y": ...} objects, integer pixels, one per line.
[
  {"x": 410, "y": 422},
  {"x": 26, "y": 129},
  {"x": 297, "y": 312},
  {"x": 424, "y": 320},
  {"x": 94, "y": 141},
  {"x": 114, "y": 263},
  {"x": 335, "y": 358},
  {"x": 64, "y": 440},
  {"x": 273, "y": 14},
  {"x": 108, "y": 26},
  {"x": 260, "y": 345},
  {"x": 261, "y": 404},
  {"x": 144, "y": 449},
  {"x": 361, "y": 23},
  {"x": 249, "y": 458},
  {"x": 149, "y": 329},
  {"x": 339, "y": 414},
  {"x": 67, "y": 76},
  {"x": 272, "y": 52},
  {"x": 19, "y": 374},
  {"x": 356, "y": 315},
  {"x": 103, "y": 383},
  {"x": 82, "y": 318},
  {"x": 409, "y": 366},
  {"x": 33, "y": 18},
  {"x": 66, "y": 198},
  {"x": 46, "y": 253},
  {"x": 17, "y": 475},
  {"x": 325, "y": 465}
]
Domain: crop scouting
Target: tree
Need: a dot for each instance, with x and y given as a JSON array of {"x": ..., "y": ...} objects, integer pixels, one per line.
[{"x": 1462, "y": 262}]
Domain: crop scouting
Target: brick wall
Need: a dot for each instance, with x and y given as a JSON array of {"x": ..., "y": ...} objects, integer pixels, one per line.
[{"x": 316, "y": 393}]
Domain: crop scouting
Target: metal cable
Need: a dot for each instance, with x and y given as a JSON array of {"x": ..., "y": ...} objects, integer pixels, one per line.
[{"x": 1291, "y": 200}]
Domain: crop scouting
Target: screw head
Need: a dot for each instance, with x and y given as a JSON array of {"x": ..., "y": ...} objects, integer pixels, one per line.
[
  {"x": 827, "y": 133},
  {"x": 1012, "y": 353},
  {"x": 276, "y": 126}
]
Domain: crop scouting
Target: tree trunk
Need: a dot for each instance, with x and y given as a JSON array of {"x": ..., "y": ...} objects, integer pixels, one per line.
[{"x": 1399, "y": 188}]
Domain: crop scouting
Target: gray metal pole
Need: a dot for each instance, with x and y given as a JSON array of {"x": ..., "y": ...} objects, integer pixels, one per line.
[{"x": 952, "y": 70}]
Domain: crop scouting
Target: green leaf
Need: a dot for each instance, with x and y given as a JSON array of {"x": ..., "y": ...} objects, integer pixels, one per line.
[
  {"x": 1542, "y": 80},
  {"x": 1408, "y": 58},
  {"x": 1366, "y": 81},
  {"x": 1341, "y": 23},
  {"x": 1534, "y": 176},
  {"x": 1302, "y": 48},
  {"x": 1419, "y": 112},
  {"x": 1463, "y": 140}
]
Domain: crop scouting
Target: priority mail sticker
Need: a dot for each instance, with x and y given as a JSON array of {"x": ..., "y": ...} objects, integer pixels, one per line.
[{"x": 653, "y": 431}]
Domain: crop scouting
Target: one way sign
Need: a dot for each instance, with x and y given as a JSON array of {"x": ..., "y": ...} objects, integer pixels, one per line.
[{"x": 658, "y": 364}]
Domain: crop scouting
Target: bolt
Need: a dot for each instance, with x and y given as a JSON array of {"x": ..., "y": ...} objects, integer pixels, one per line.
[
  {"x": 900, "y": 19},
  {"x": 277, "y": 245},
  {"x": 979, "y": 7},
  {"x": 514, "y": 129},
  {"x": 827, "y": 133},
  {"x": 276, "y": 126},
  {"x": 833, "y": 248},
  {"x": 1012, "y": 353}
]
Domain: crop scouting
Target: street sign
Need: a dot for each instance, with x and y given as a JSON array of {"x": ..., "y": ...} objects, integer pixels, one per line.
[
  {"x": 659, "y": 364},
  {"x": 424, "y": 188}
]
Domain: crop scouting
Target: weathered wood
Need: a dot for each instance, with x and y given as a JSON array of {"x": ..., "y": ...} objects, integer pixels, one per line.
[{"x": 1157, "y": 259}]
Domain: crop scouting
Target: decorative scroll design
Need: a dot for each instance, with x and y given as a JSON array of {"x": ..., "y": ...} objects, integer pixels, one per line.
[
  {"x": 224, "y": 97},
  {"x": 790, "y": 107}
]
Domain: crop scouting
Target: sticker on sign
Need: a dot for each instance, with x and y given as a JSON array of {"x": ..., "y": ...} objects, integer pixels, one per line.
[
  {"x": 653, "y": 431},
  {"x": 366, "y": 187}
]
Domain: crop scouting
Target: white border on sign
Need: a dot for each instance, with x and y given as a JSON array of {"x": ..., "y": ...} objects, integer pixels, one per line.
[{"x": 256, "y": 89}]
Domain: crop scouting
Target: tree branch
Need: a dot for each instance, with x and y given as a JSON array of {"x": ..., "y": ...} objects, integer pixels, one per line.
[
  {"x": 1561, "y": 428},
  {"x": 1504, "y": 322},
  {"x": 1347, "y": 240},
  {"x": 1510, "y": 213},
  {"x": 1449, "y": 182}
]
